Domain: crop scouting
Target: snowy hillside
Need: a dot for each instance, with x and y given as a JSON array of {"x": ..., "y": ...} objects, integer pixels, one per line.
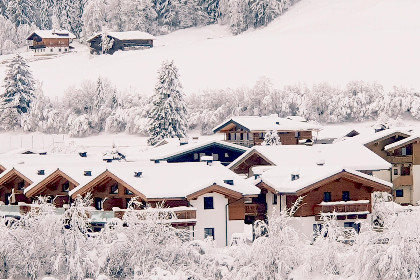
[{"x": 317, "y": 40}]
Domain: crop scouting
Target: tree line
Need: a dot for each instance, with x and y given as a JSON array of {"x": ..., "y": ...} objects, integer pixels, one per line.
[{"x": 98, "y": 106}]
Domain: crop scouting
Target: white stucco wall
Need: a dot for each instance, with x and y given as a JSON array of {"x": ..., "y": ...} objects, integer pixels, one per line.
[
  {"x": 416, "y": 183},
  {"x": 270, "y": 205},
  {"x": 51, "y": 51},
  {"x": 215, "y": 218},
  {"x": 304, "y": 225},
  {"x": 382, "y": 174}
]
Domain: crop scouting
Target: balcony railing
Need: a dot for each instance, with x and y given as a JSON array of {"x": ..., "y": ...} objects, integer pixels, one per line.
[
  {"x": 344, "y": 207},
  {"x": 246, "y": 143},
  {"x": 255, "y": 209},
  {"x": 400, "y": 159},
  {"x": 403, "y": 181}
]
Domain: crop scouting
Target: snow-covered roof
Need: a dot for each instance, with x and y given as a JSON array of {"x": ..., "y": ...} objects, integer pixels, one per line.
[
  {"x": 127, "y": 35},
  {"x": 171, "y": 180},
  {"x": 54, "y": 34},
  {"x": 195, "y": 146},
  {"x": 280, "y": 179},
  {"x": 402, "y": 142},
  {"x": 366, "y": 138},
  {"x": 348, "y": 155},
  {"x": 265, "y": 123}
]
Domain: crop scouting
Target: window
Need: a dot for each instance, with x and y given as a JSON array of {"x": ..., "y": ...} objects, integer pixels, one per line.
[
  {"x": 355, "y": 226},
  {"x": 274, "y": 199},
  {"x": 327, "y": 196},
  {"x": 195, "y": 156},
  {"x": 215, "y": 156},
  {"x": 65, "y": 50},
  {"x": 228, "y": 182},
  {"x": 21, "y": 185},
  {"x": 66, "y": 187},
  {"x": 208, "y": 232},
  {"x": 297, "y": 134},
  {"x": 114, "y": 189},
  {"x": 395, "y": 171},
  {"x": 208, "y": 203},
  {"x": 7, "y": 197},
  {"x": 226, "y": 155},
  {"x": 59, "y": 50},
  {"x": 98, "y": 203},
  {"x": 51, "y": 50},
  {"x": 127, "y": 191},
  {"x": 404, "y": 151},
  {"x": 405, "y": 171},
  {"x": 346, "y": 196},
  {"x": 399, "y": 193}
]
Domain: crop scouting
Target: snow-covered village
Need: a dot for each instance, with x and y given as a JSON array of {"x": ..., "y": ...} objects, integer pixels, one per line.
[{"x": 209, "y": 139}]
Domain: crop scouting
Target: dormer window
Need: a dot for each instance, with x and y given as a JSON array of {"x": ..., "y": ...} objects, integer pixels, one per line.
[
  {"x": 228, "y": 182},
  {"x": 138, "y": 174},
  {"x": 87, "y": 173},
  {"x": 127, "y": 191},
  {"x": 294, "y": 177},
  {"x": 83, "y": 154}
]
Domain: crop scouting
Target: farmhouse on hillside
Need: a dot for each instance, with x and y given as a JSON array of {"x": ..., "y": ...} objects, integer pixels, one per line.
[
  {"x": 50, "y": 42},
  {"x": 120, "y": 41}
]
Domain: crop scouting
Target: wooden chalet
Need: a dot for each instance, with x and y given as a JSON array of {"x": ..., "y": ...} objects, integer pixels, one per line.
[
  {"x": 121, "y": 41},
  {"x": 50, "y": 42},
  {"x": 250, "y": 130},
  {"x": 56, "y": 186},
  {"x": 345, "y": 194},
  {"x": 12, "y": 186}
]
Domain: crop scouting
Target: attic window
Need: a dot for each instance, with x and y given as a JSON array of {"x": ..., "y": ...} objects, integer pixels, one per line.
[
  {"x": 66, "y": 187},
  {"x": 87, "y": 173},
  {"x": 114, "y": 189},
  {"x": 21, "y": 185},
  {"x": 83, "y": 154},
  {"x": 138, "y": 174},
  {"x": 295, "y": 177},
  {"x": 228, "y": 182},
  {"x": 41, "y": 172}
]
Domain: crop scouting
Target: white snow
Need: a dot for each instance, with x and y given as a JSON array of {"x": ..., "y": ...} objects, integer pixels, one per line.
[{"x": 315, "y": 41}]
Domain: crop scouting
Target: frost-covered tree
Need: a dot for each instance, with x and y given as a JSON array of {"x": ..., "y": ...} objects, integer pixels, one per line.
[
  {"x": 168, "y": 117},
  {"x": 271, "y": 138},
  {"x": 45, "y": 8},
  {"x": 106, "y": 42},
  {"x": 69, "y": 14},
  {"x": 264, "y": 11},
  {"x": 211, "y": 7},
  {"x": 21, "y": 12},
  {"x": 19, "y": 92},
  {"x": 94, "y": 17},
  {"x": 239, "y": 16}
]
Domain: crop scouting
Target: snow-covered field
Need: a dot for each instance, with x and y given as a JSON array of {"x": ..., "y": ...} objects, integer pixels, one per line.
[{"x": 317, "y": 40}]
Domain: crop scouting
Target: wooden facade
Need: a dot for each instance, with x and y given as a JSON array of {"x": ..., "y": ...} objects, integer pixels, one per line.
[
  {"x": 95, "y": 44},
  {"x": 109, "y": 191},
  {"x": 251, "y": 160},
  {"x": 239, "y": 135},
  {"x": 57, "y": 186},
  {"x": 359, "y": 189},
  {"x": 12, "y": 186}
]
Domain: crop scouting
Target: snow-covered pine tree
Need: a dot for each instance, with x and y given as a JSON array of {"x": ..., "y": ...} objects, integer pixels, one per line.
[
  {"x": 264, "y": 11},
  {"x": 166, "y": 14},
  {"x": 45, "y": 8},
  {"x": 106, "y": 42},
  {"x": 18, "y": 94},
  {"x": 69, "y": 13},
  {"x": 94, "y": 17},
  {"x": 212, "y": 9},
  {"x": 239, "y": 16},
  {"x": 271, "y": 138},
  {"x": 168, "y": 117},
  {"x": 21, "y": 12}
]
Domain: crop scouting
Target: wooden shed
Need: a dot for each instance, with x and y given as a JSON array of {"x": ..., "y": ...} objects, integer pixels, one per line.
[{"x": 121, "y": 41}]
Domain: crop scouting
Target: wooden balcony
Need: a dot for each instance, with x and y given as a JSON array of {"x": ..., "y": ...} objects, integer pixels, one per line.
[
  {"x": 255, "y": 209},
  {"x": 344, "y": 207},
  {"x": 406, "y": 180},
  {"x": 400, "y": 159}
]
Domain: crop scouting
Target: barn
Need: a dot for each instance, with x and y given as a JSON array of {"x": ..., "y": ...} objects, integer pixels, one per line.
[{"x": 120, "y": 41}]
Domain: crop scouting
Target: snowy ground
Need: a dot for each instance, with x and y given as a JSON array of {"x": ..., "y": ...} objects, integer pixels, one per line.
[{"x": 316, "y": 41}]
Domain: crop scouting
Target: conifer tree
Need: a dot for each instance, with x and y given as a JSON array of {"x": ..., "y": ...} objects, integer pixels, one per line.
[
  {"x": 18, "y": 94},
  {"x": 168, "y": 117}
]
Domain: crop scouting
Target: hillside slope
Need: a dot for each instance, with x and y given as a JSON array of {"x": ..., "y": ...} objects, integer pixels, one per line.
[{"x": 317, "y": 40}]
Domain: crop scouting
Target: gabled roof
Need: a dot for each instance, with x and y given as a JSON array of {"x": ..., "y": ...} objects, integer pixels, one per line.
[
  {"x": 379, "y": 136},
  {"x": 189, "y": 148},
  {"x": 348, "y": 155},
  {"x": 9, "y": 173},
  {"x": 83, "y": 189},
  {"x": 402, "y": 143},
  {"x": 127, "y": 35},
  {"x": 280, "y": 179},
  {"x": 52, "y": 34},
  {"x": 265, "y": 123},
  {"x": 43, "y": 180}
]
